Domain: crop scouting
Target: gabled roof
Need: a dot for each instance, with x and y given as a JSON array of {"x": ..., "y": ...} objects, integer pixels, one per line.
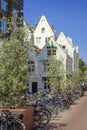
[
  {"x": 43, "y": 18},
  {"x": 68, "y": 39},
  {"x": 61, "y": 35}
]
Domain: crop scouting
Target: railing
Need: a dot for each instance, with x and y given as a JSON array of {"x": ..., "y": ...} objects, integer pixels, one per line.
[{"x": 19, "y": 2}]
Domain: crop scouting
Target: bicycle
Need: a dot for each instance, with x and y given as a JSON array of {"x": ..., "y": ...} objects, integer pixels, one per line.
[
  {"x": 41, "y": 116},
  {"x": 10, "y": 121}
]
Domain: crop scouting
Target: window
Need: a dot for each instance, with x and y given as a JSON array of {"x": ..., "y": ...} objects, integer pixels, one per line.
[
  {"x": 46, "y": 67},
  {"x": 3, "y": 25},
  {"x": 45, "y": 85},
  {"x": 43, "y": 30},
  {"x": 48, "y": 52},
  {"x": 63, "y": 47},
  {"x": 47, "y": 39},
  {"x": 38, "y": 40},
  {"x": 51, "y": 52},
  {"x": 54, "y": 52},
  {"x": 4, "y": 5},
  {"x": 31, "y": 66}
]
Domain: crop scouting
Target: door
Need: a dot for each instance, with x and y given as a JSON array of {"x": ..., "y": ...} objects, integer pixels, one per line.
[{"x": 34, "y": 87}]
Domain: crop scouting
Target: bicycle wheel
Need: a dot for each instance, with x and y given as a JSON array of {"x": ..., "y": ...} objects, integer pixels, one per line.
[
  {"x": 15, "y": 126},
  {"x": 44, "y": 119},
  {"x": 37, "y": 119},
  {"x": 53, "y": 110},
  {"x": 47, "y": 112},
  {"x": 41, "y": 119}
]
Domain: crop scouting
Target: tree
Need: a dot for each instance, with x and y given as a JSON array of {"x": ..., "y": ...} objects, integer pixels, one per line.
[
  {"x": 78, "y": 77},
  {"x": 76, "y": 80},
  {"x": 83, "y": 70},
  {"x": 56, "y": 73},
  {"x": 81, "y": 65},
  {"x": 14, "y": 59}
]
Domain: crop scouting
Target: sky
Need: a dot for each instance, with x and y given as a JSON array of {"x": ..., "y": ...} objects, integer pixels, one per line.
[{"x": 67, "y": 16}]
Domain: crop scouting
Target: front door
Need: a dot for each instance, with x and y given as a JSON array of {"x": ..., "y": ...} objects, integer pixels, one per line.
[{"x": 34, "y": 87}]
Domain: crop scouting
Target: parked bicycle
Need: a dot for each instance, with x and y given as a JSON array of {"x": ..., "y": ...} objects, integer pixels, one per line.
[
  {"x": 48, "y": 106},
  {"x": 10, "y": 121},
  {"x": 41, "y": 116}
]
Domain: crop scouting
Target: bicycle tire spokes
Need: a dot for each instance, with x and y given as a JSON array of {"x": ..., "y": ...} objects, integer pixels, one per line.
[{"x": 15, "y": 126}]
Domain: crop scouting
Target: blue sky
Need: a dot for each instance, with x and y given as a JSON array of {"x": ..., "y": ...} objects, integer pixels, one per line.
[{"x": 68, "y": 16}]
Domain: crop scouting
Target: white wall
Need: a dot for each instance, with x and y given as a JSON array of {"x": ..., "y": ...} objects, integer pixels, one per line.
[
  {"x": 73, "y": 51},
  {"x": 43, "y": 23}
]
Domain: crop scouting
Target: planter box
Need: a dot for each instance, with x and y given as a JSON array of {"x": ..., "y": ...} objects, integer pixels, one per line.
[{"x": 28, "y": 113}]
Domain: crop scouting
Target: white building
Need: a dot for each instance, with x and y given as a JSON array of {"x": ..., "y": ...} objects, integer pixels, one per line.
[
  {"x": 43, "y": 31},
  {"x": 46, "y": 44},
  {"x": 66, "y": 43},
  {"x": 51, "y": 48},
  {"x": 33, "y": 62}
]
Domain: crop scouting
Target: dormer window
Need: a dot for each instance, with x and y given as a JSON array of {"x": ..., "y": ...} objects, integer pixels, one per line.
[
  {"x": 51, "y": 50},
  {"x": 43, "y": 30}
]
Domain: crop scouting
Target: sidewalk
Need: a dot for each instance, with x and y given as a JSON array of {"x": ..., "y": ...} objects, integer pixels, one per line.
[{"x": 75, "y": 118}]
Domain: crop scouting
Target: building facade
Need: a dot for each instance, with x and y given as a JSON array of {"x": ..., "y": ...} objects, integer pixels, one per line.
[
  {"x": 48, "y": 45},
  {"x": 66, "y": 44},
  {"x": 43, "y": 32},
  {"x": 6, "y": 9}
]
